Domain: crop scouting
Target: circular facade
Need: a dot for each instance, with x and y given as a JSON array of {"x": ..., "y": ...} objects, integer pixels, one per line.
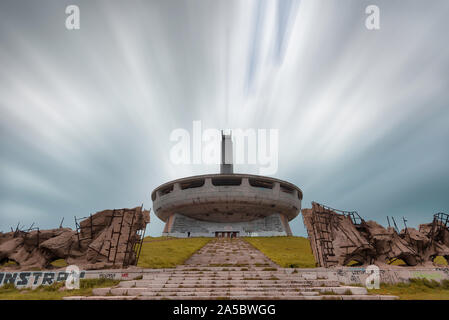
[{"x": 227, "y": 198}]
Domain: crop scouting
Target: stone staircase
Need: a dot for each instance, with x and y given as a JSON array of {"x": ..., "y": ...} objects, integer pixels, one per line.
[{"x": 230, "y": 269}]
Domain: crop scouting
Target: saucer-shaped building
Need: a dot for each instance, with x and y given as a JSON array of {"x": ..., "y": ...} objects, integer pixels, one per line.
[{"x": 227, "y": 204}]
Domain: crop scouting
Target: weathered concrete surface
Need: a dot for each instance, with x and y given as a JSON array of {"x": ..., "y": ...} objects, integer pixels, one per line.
[
  {"x": 338, "y": 238},
  {"x": 226, "y": 202},
  {"x": 273, "y": 225},
  {"x": 105, "y": 239},
  {"x": 315, "y": 276},
  {"x": 231, "y": 269}
]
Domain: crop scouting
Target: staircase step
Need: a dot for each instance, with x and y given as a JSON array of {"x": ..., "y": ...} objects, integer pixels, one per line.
[
  {"x": 237, "y": 297},
  {"x": 262, "y": 279},
  {"x": 247, "y": 281},
  {"x": 214, "y": 291}
]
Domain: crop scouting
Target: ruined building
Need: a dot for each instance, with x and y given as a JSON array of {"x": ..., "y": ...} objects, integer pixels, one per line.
[
  {"x": 109, "y": 238},
  {"x": 340, "y": 237}
]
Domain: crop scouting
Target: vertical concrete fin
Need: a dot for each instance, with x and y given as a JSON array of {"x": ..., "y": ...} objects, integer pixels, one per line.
[{"x": 226, "y": 166}]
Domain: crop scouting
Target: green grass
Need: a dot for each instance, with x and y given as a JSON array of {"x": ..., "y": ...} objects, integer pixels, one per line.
[
  {"x": 398, "y": 262},
  {"x": 54, "y": 292},
  {"x": 60, "y": 263},
  {"x": 440, "y": 260},
  {"x": 417, "y": 289},
  {"x": 288, "y": 252},
  {"x": 161, "y": 238},
  {"x": 8, "y": 263},
  {"x": 169, "y": 253}
]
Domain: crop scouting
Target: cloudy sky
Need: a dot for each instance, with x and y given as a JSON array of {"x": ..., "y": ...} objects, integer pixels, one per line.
[{"x": 86, "y": 115}]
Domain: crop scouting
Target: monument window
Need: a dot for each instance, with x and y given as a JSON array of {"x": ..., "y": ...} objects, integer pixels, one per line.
[
  {"x": 192, "y": 184},
  {"x": 286, "y": 189},
  {"x": 258, "y": 183},
  {"x": 226, "y": 181},
  {"x": 167, "y": 190}
]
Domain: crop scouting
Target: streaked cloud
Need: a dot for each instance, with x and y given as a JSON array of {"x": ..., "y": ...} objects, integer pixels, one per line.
[{"x": 86, "y": 115}]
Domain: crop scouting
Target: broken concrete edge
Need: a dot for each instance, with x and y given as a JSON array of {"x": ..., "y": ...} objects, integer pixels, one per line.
[
  {"x": 339, "y": 237},
  {"x": 105, "y": 239},
  {"x": 344, "y": 275}
]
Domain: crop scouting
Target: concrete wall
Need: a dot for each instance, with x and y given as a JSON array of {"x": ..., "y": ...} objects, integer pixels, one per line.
[
  {"x": 358, "y": 275},
  {"x": 219, "y": 203},
  {"x": 346, "y": 275},
  {"x": 272, "y": 225}
]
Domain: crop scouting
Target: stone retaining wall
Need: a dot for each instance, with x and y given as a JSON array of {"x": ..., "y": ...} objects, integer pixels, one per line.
[
  {"x": 346, "y": 275},
  {"x": 358, "y": 275}
]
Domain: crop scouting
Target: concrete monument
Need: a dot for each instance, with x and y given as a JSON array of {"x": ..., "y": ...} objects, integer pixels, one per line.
[{"x": 227, "y": 204}]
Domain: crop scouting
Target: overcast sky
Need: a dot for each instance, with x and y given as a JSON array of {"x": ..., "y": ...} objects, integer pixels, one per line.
[{"x": 86, "y": 115}]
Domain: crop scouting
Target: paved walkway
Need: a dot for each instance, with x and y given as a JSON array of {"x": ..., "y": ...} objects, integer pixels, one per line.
[
  {"x": 229, "y": 252},
  {"x": 230, "y": 269}
]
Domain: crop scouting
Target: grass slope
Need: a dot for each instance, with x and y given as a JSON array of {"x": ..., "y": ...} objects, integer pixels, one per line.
[
  {"x": 55, "y": 291},
  {"x": 168, "y": 253},
  {"x": 287, "y": 252},
  {"x": 417, "y": 289}
]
